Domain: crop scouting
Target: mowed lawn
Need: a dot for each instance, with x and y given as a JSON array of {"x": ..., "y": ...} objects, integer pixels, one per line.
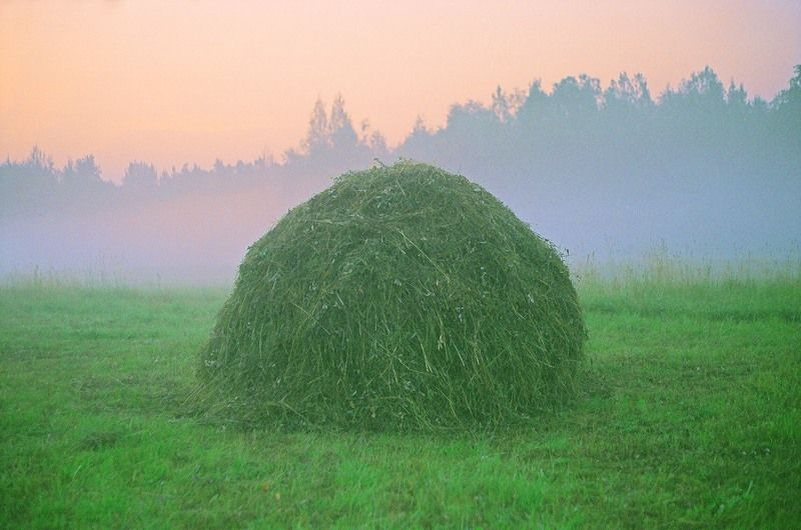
[{"x": 690, "y": 417}]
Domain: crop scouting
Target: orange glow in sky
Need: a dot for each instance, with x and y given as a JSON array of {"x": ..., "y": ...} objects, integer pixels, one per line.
[{"x": 191, "y": 81}]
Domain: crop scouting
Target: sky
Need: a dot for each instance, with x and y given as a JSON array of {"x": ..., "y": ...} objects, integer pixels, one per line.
[{"x": 170, "y": 82}]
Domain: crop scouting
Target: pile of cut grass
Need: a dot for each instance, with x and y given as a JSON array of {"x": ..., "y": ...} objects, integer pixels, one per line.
[{"x": 401, "y": 298}]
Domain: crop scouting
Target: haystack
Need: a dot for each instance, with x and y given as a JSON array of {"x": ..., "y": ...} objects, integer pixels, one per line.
[{"x": 402, "y": 297}]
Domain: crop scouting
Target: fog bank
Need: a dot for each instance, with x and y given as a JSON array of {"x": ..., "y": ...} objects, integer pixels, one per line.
[{"x": 605, "y": 172}]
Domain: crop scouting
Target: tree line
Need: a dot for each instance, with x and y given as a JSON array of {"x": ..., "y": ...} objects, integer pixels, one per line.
[{"x": 576, "y": 145}]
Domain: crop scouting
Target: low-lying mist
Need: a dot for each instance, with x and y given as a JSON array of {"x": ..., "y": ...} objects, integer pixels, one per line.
[{"x": 605, "y": 173}]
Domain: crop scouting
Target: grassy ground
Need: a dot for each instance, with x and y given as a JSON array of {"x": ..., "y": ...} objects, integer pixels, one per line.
[{"x": 691, "y": 418}]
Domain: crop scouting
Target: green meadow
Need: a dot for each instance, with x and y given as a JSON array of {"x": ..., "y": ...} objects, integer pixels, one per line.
[{"x": 689, "y": 416}]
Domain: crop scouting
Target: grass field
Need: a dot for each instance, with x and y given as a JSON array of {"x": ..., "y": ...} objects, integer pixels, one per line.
[{"x": 691, "y": 417}]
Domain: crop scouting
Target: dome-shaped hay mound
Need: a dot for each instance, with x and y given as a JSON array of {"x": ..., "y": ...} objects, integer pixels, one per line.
[{"x": 402, "y": 297}]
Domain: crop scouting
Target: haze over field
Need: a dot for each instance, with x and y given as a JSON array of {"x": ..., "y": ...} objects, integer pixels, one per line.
[{"x": 170, "y": 136}]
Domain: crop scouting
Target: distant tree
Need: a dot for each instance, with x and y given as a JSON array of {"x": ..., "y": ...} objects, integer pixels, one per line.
[
  {"x": 576, "y": 98},
  {"x": 702, "y": 92},
  {"x": 38, "y": 161},
  {"x": 789, "y": 99},
  {"x": 738, "y": 109},
  {"x": 378, "y": 144},
  {"x": 532, "y": 110},
  {"x": 627, "y": 94},
  {"x": 420, "y": 126},
  {"x": 703, "y": 84},
  {"x": 219, "y": 167},
  {"x": 736, "y": 96},
  {"x": 84, "y": 173},
  {"x": 25, "y": 184},
  {"x": 87, "y": 168},
  {"x": 317, "y": 135},
  {"x": 340, "y": 127},
  {"x": 36, "y": 172},
  {"x": 502, "y": 106},
  {"x": 264, "y": 162},
  {"x": 786, "y": 113},
  {"x": 418, "y": 143},
  {"x": 470, "y": 116},
  {"x": 140, "y": 177}
]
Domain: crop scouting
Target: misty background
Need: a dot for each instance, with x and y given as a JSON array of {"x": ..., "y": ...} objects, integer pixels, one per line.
[{"x": 606, "y": 172}]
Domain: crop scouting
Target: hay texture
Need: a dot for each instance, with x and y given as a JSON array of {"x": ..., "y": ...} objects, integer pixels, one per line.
[{"x": 401, "y": 298}]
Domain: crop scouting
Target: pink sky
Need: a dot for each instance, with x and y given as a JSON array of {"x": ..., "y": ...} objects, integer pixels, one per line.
[{"x": 190, "y": 81}]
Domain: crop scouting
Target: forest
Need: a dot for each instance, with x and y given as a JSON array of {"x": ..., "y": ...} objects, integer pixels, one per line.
[{"x": 702, "y": 169}]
